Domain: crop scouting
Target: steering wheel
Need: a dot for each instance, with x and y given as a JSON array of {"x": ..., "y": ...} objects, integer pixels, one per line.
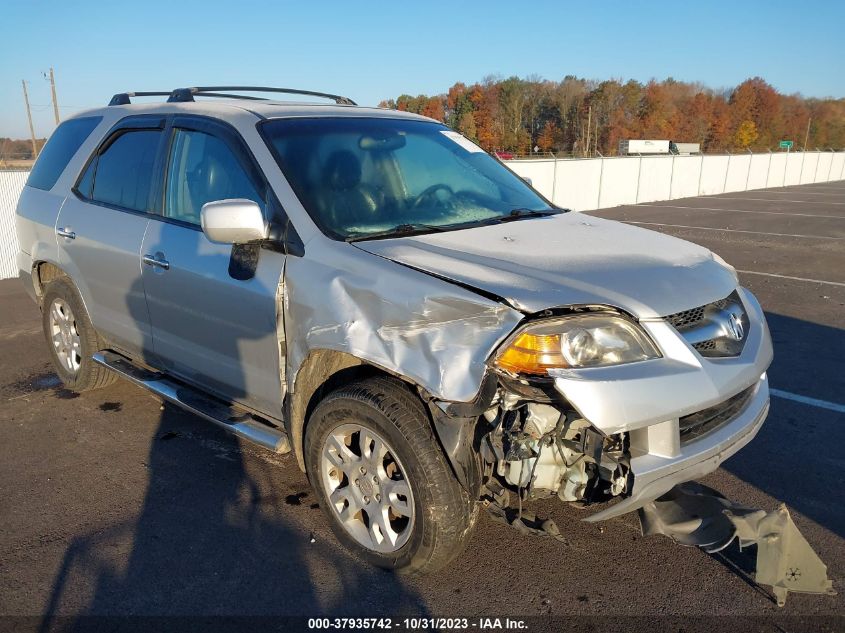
[{"x": 429, "y": 194}]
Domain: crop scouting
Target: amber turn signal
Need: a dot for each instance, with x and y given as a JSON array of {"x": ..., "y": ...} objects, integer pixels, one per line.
[{"x": 532, "y": 354}]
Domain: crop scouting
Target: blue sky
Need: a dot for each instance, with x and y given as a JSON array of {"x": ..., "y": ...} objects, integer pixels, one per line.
[{"x": 375, "y": 50}]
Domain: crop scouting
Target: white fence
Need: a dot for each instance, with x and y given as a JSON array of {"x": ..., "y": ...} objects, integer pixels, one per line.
[
  {"x": 582, "y": 184},
  {"x": 11, "y": 185}
]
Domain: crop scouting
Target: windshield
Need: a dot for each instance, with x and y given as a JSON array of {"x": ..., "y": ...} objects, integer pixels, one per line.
[{"x": 363, "y": 178}]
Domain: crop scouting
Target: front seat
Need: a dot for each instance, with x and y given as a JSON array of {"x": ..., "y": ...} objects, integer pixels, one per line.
[
  {"x": 347, "y": 201},
  {"x": 208, "y": 181}
]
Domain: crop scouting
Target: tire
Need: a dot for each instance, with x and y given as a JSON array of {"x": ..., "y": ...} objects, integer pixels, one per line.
[
  {"x": 75, "y": 339},
  {"x": 443, "y": 513}
]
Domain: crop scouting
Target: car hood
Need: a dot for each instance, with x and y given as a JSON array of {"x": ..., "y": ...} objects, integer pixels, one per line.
[{"x": 567, "y": 259}]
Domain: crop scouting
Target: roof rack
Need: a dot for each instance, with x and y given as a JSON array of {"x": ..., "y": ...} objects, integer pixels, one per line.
[{"x": 182, "y": 95}]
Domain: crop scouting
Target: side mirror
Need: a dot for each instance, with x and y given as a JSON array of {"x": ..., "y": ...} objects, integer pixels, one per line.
[{"x": 235, "y": 221}]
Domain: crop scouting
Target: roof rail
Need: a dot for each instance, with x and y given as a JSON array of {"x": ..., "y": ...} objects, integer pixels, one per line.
[
  {"x": 122, "y": 98},
  {"x": 182, "y": 95}
]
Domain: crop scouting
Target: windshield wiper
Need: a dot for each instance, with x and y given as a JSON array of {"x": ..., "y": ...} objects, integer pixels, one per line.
[
  {"x": 400, "y": 229},
  {"x": 531, "y": 213},
  {"x": 521, "y": 214}
]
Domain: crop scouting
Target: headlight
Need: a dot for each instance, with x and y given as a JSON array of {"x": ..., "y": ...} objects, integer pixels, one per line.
[{"x": 583, "y": 340}]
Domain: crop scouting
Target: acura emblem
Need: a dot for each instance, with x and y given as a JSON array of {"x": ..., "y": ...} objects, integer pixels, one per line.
[{"x": 735, "y": 327}]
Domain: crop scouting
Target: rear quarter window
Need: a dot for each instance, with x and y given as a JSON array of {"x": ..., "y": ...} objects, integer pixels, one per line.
[{"x": 58, "y": 151}]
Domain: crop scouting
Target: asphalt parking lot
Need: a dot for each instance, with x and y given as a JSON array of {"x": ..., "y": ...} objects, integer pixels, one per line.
[{"x": 111, "y": 504}]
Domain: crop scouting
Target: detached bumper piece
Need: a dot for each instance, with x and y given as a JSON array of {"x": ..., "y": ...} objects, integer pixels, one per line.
[
  {"x": 495, "y": 500},
  {"x": 693, "y": 514}
]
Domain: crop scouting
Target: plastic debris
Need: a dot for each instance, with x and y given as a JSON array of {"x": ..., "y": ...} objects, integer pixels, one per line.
[{"x": 695, "y": 515}]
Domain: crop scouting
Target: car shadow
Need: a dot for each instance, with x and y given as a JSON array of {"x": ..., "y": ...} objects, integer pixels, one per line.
[
  {"x": 797, "y": 457},
  {"x": 210, "y": 541}
]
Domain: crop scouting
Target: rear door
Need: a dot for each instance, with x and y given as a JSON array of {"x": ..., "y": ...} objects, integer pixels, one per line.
[
  {"x": 101, "y": 227},
  {"x": 213, "y": 307}
]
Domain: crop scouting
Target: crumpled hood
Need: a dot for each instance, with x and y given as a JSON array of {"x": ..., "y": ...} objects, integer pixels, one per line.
[{"x": 567, "y": 259}]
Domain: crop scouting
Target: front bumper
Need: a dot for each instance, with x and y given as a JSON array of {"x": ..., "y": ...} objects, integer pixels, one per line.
[
  {"x": 656, "y": 474},
  {"x": 647, "y": 399}
]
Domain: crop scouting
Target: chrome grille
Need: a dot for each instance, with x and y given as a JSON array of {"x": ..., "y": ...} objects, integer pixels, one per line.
[
  {"x": 702, "y": 422},
  {"x": 691, "y": 318},
  {"x": 706, "y": 346},
  {"x": 687, "y": 317},
  {"x": 716, "y": 329}
]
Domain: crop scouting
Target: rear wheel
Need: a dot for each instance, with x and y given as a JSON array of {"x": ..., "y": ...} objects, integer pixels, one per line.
[
  {"x": 383, "y": 480},
  {"x": 71, "y": 338}
]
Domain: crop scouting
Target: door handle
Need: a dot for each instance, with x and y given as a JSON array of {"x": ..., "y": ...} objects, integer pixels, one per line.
[
  {"x": 66, "y": 233},
  {"x": 151, "y": 260}
]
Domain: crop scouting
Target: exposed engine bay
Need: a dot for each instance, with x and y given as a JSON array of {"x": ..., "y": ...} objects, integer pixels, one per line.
[{"x": 540, "y": 449}]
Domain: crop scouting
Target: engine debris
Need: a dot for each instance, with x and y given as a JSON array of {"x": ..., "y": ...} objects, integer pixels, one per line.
[{"x": 495, "y": 500}]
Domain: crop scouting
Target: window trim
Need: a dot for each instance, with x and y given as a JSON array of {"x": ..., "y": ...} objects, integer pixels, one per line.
[{"x": 135, "y": 123}]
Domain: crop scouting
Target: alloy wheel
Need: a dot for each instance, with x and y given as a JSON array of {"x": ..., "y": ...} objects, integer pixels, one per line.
[{"x": 367, "y": 488}]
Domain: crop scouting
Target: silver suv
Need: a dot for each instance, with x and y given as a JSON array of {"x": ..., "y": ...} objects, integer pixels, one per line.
[{"x": 372, "y": 291}]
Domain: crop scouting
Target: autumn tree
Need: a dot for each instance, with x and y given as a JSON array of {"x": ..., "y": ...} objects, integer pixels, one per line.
[
  {"x": 485, "y": 99},
  {"x": 466, "y": 126},
  {"x": 746, "y": 134},
  {"x": 516, "y": 114}
]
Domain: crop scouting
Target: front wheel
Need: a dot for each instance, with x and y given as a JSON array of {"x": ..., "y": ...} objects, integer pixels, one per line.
[{"x": 383, "y": 480}]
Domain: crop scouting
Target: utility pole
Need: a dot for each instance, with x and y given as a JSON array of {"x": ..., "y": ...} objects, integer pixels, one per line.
[
  {"x": 29, "y": 116},
  {"x": 596, "y": 140},
  {"x": 55, "y": 101},
  {"x": 589, "y": 128},
  {"x": 807, "y": 135}
]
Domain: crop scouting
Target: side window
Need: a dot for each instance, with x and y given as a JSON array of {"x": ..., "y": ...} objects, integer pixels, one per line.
[
  {"x": 61, "y": 147},
  {"x": 203, "y": 169},
  {"x": 122, "y": 174}
]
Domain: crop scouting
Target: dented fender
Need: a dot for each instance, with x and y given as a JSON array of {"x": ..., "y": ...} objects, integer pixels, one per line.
[
  {"x": 436, "y": 334},
  {"x": 344, "y": 303}
]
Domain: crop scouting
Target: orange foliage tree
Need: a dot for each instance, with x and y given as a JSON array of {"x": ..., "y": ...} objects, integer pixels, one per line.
[{"x": 515, "y": 115}]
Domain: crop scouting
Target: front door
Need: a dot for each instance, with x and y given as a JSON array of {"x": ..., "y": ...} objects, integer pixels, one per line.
[{"x": 214, "y": 309}]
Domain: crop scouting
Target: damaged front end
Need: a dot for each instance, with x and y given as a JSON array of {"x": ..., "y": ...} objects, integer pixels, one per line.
[
  {"x": 549, "y": 450},
  {"x": 640, "y": 411},
  {"x": 630, "y": 436}
]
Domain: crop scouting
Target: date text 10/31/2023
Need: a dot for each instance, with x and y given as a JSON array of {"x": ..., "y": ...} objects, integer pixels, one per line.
[{"x": 417, "y": 624}]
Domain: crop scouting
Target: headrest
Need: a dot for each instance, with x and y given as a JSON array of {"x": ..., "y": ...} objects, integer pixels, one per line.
[{"x": 342, "y": 170}]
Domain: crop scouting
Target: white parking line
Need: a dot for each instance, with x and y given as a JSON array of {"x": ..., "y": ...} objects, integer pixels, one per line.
[
  {"x": 710, "y": 228},
  {"x": 802, "y": 191},
  {"x": 803, "y": 215},
  {"x": 814, "y": 281},
  {"x": 817, "y": 188},
  {"x": 813, "y": 402},
  {"x": 771, "y": 200}
]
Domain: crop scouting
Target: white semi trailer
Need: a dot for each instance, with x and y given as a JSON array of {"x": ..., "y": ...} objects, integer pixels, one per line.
[
  {"x": 685, "y": 149},
  {"x": 645, "y": 147}
]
